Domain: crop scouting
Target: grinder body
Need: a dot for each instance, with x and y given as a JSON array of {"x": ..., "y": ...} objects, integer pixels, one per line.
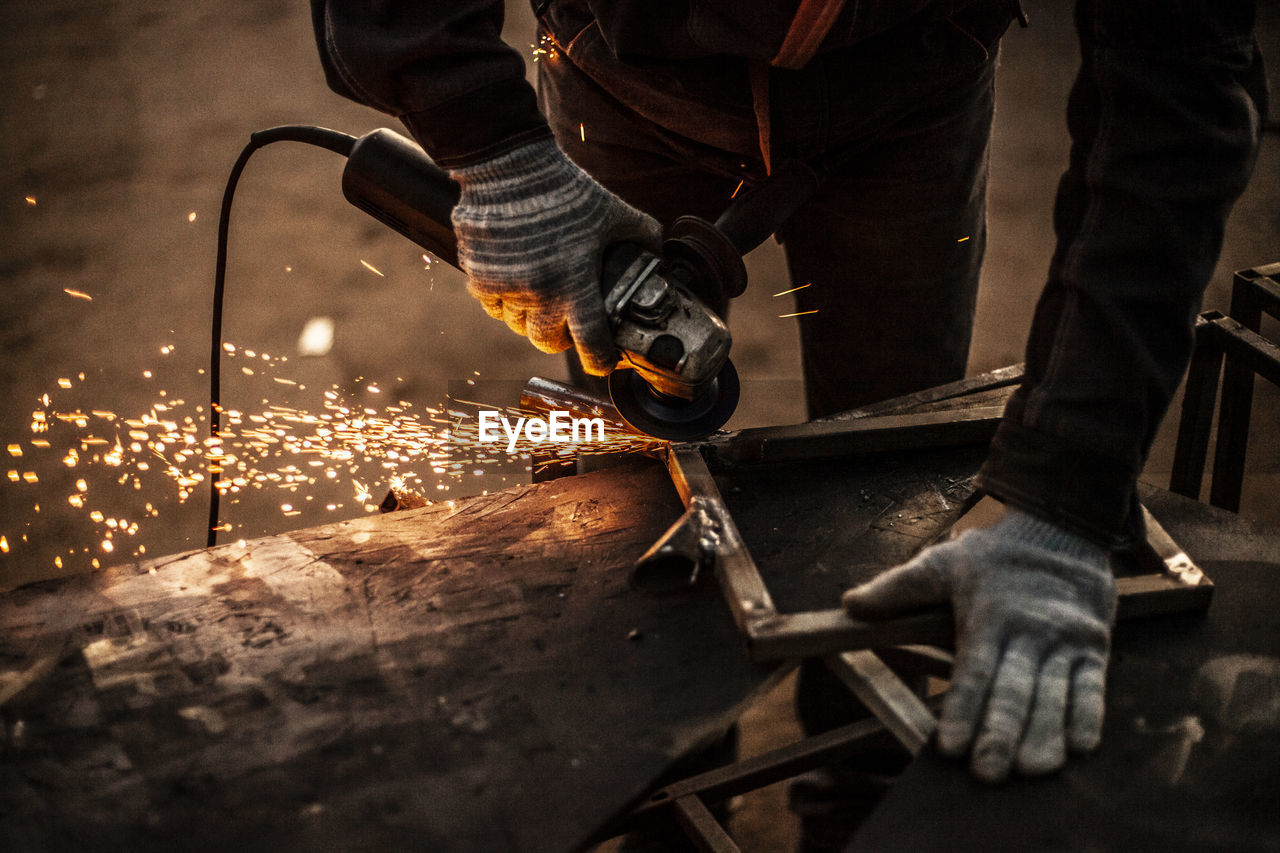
[{"x": 674, "y": 379}]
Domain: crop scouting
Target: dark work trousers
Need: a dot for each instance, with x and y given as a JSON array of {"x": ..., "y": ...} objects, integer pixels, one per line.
[
  {"x": 892, "y": 244},
  {"x": 890, "y": 247}
]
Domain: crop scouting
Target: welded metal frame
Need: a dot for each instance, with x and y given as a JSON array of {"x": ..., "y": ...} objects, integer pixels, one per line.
[
  {"x": 1230, "y": 346},
  {"x": 706, "y": 537},
  {"x": 1172, "y": 582},
  {"x": 895, "y": 708},
  {"x": 694, "y": 794}
]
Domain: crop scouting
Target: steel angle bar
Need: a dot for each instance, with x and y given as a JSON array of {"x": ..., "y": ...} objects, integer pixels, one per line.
[
  {"x": 784, "y": 762},
  {"x": 813, "y": 633},
  {"x": 1174, "y": 584},
  {"x": 1245, "y": 353},
  {"x": 913, "y": 657},
  {"x": 701, "y": 826},
  {"x": 744, "y": 590},
  {"x": 1227, "y": 345},
  {"x": 1002, "y": 377},
  {"x": 541, "y": 397},
  {"x": 1255, "y": 292},
  {"x": 886, "y": 696},
  {"x": 1191, "y": 449},
  {"x": 842, "y": 438}
]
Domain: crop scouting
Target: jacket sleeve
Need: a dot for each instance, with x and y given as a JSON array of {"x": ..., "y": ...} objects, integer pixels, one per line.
[
  {"x": 440, "y": 66},
  {"x": 1164, "y": 118}
]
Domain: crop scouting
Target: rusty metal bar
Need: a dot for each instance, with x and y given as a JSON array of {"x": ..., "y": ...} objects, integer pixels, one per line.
[
  {"x": 1245, "y": 353},
  {"x": 831, "y": 439},
  {"x": 820, "y": 632},
  {"x": 702, "y": 827},
  {"x": 1240, "y": 352},
  {"x": 1255, "y": 292},
  {"x": 1175, "y": 584},
  {"x": 999, "y": 378},
  {"x": 542, "y": 396},
  {"x": 765, "y": 769},
  {"x": 1191, "y": 450},
  {"x": 744, "y": 590},
  {"x": 914, "y": 657},
  {"x": 886, "y": 696}
]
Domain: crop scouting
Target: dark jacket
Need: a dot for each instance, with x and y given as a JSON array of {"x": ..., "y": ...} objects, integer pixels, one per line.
[{"x": 442, "y": 68}]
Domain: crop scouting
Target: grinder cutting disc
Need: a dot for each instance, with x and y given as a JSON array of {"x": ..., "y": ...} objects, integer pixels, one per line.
[{"x": 674, "y": 418}]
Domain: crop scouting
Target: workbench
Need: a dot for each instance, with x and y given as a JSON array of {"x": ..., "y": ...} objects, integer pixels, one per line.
[
  {"x": 467, "y": 676},
  {"x": 479, "y": 675}
]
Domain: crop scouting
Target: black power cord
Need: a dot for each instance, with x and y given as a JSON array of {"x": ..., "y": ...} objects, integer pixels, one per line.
[{"x": 332, "y": 140}]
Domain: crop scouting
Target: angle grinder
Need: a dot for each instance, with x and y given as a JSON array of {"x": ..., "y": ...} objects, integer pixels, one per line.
[{"x": 674, "y": 380}]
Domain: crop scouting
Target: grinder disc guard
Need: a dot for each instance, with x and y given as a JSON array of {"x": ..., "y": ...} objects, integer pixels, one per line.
[{"x": 673, "y": 418}]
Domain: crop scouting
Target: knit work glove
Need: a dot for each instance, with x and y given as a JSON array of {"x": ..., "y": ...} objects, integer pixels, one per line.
[
  {"x": 1034, "y": 605},
  {"x": 532, "y": 229}
]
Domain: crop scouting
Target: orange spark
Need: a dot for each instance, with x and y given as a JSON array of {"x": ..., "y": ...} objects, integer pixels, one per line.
[
  {"x": 78, "y": 294},
  {"x": 799, "y": 313},
  {"x": 371, "y": 268},
  {"x": 794, "y": 289}
]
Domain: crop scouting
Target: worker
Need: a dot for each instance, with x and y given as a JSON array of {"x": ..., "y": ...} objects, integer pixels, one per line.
[{"x": 650, "y": 110}]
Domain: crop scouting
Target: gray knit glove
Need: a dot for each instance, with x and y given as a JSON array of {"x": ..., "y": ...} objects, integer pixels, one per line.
[
  {"x": 1034, "y": 606},
  {"x": 532, "y": 229}
]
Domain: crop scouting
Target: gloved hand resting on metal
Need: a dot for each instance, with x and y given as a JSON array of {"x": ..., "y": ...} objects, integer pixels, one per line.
[
  {"x": 532, "y": 228},
  {"x": 1034, "y": 605}
]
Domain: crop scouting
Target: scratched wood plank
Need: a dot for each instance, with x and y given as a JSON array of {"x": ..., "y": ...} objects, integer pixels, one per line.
[{"x": 467, "y": 677}]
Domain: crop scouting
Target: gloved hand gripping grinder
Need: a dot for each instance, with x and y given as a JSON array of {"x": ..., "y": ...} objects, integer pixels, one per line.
[{"x": 674, "y": 380}]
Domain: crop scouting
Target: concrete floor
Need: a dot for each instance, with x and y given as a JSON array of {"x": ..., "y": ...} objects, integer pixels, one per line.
[{"x": 119, "y": 120}]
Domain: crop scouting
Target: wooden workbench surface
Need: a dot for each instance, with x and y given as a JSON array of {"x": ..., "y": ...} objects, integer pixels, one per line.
[{"x": 469, "y": 676}]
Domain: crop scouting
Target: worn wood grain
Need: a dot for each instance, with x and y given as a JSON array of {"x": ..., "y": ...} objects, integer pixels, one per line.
[{"x": 469, "y": 676}]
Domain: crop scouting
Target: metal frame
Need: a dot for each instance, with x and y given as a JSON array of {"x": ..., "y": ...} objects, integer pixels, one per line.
[
  {"x": 896, "y": 710},
  {"x": 1233, "y": 347},
  {"x": 1172, "y": 582},
  {"x": 705, "y": 537}
]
